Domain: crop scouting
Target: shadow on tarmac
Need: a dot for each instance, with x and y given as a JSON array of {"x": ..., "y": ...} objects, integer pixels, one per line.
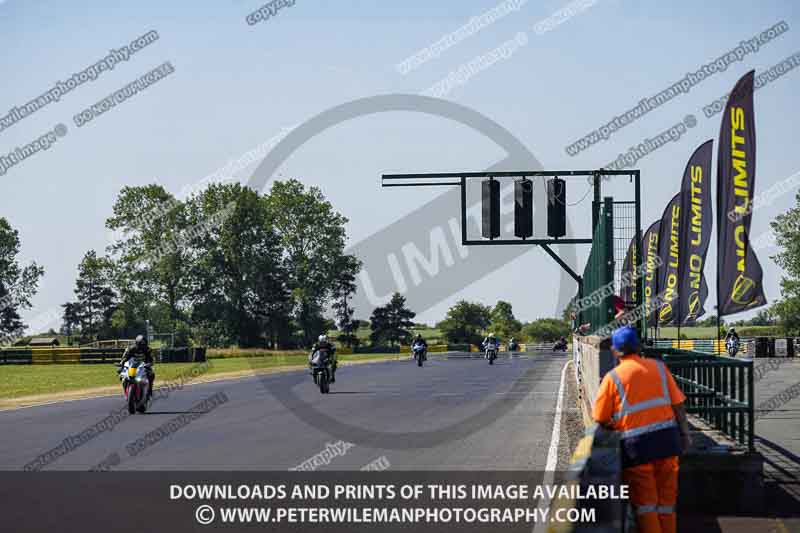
[{"x": 781, "y": 478}]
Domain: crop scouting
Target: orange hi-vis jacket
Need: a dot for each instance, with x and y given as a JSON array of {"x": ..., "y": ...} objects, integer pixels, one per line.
[{"x": 636, "y": 399}]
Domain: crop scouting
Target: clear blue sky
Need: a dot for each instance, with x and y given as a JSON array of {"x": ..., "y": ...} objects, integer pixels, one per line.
[{"x": 235, "y": 86}]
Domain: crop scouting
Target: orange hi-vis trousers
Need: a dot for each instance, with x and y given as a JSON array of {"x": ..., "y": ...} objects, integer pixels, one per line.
[{"x": 653, "y": 491}]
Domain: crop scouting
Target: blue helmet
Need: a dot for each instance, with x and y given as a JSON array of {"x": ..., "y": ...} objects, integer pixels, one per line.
[{"x": 625, "y": 340}]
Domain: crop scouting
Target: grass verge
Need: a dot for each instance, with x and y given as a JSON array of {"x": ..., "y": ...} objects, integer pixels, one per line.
[{"x": 28, "y": 380}]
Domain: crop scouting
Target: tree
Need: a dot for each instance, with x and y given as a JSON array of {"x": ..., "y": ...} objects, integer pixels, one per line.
[
  {"x": 239, "y": 285},
  {"x": 465, "y": 322},
  {"x": 764, "y": 317},
  {"x": 391, "y": 323},
  {"x": 71, "y": 318},
  {"x": 786, "y": 228},
  {"x": 96, "y": 300},
  {"x": 710, "y": 322},
  {"x": 18, "y": 284},
  {"x": 503, "y": 324},
  {"x": 153, "y": 254},
  {"x": 345, "y": 285},
  {"x": 788, "y": 309},
  {"x": 546, "y": 329},
  {"x": 134, "y": 308},
  {"x": 313, "y": 237}
]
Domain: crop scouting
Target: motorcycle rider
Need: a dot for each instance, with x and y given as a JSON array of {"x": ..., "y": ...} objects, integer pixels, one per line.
[
  {"x": 141, "y": 350},
  {"x": 419, "y": 340},
  {"x": 491, "y": 338},
  {"x": 561, "y": 343},
  {"x": 512, "y": 345},
  {"x": 323, "y": 344}
]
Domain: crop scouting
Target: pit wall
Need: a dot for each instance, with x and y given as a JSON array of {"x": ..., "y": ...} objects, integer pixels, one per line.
[{"x": 592, "y": 359}]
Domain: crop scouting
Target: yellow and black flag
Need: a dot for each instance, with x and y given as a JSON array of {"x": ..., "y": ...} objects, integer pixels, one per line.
[
  {"x": 739, "y": 274},
  {"x": 695, "y": 235},
  {"x": 651, "y": 262},
  {"x": 671, "y": 257}
]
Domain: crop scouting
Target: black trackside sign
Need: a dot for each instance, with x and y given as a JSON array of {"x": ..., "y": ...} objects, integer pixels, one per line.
[
  {"x": 669, "y": 252},
  {"x": 651, "y": 270},
  {"x": 695, "y": 235},
  {"x": 740, "y": 274}
]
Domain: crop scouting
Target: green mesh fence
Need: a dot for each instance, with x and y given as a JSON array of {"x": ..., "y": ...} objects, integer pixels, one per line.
[{"x": 598, "y": 275}]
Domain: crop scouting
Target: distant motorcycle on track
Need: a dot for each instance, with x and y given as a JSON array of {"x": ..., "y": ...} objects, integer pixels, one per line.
[
  {"x": 732, "y": 346},
  {"x": 560, "y": 346},
  {"x": 420, "y": 353},
  {"x": 491, "y": 352}
]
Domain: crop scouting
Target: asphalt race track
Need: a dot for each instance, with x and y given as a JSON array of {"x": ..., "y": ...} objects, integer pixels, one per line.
[{"x": 456, "y": 412}]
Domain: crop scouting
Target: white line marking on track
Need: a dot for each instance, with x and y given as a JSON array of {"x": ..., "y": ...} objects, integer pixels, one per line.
[{"x": 552, "y": 453}]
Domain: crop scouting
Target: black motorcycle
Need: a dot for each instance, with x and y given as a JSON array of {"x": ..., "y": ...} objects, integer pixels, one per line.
[
  {"x": 560, "y": 347},
  {"x": 732, "y": 346},
  {"x": 491, "y": 352},
  {"x": 321, "y": 370},
  {"x": 420, "y": 353}
]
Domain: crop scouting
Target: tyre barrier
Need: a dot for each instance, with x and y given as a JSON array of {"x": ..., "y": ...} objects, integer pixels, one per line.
[{"x": 195, "y": 354}]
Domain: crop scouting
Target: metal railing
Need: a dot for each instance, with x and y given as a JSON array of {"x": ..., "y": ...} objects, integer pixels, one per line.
[{"x": 718, "y": 389}]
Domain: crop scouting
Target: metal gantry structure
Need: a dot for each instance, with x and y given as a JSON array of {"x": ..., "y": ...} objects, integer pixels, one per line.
[{"x": 459, "y": 179}]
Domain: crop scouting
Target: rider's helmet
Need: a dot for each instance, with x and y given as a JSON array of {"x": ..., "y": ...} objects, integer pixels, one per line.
[
  {"x": 419, "y": 336},
  {"x": 323, "y": 338},
  {"x": 141, "y": 341},
  {"x": 491, "y": 334},
  {"x": 731, "y": 329}
]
